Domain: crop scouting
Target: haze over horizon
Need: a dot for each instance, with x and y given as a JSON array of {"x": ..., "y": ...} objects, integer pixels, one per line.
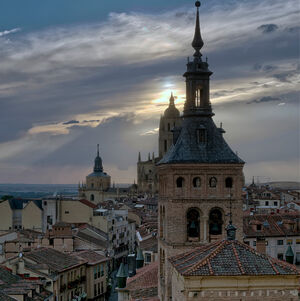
[{"x": 74, "y": 75}]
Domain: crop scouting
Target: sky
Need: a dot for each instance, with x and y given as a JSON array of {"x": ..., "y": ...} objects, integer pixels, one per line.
[{"x": 75, "y": 73}]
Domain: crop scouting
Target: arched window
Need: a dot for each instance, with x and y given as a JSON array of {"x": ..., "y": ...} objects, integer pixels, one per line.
[
  {"x": 180, "y": 182},
  {"x": 215, "y": 222},
  {"x": 92, "y": 197},
  {"x": 193, "y": 224},
  {"x": 169, "y": 127},
  {"x": 213, "y": 182},
  {"x": 228, "y": 182},
  {"x": 196, "y": 182}
]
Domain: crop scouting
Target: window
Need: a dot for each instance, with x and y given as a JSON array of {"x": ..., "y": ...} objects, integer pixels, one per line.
[
  {"x": 101, "y": 270},
  {"x": 95, "y": 289},
  {"x": 147, "y": 257},
  {"x": 26, "y": 275},
  {"x": 180, "y": 182},
  {"x": 275, "y": 203},
  {"x": 254, "y": 243},
  {"x": 280, "y": 256},
  {"x": 193, "y": 224},
  {"x": 267, "y": 203},
  {"x": 196, "y": 182},
  {"x": 258, "y": 227},
  {"x": 297, "y": 258},
  {"x": 228, "y": 182},
  {"x": 297, "y": 241},
  {"x": 201, "y": 136},
  {"x": 92, "y": 185},
  {"x": 92, "y": 197},
  {"x": 95, "y": 272},
  {"x": 45, "y": 203},
  {"x": 289, "y": 241},
  {"x": 51, "y": 241},
  {"x": 213, "y": 182},
  {"x": 169, "y": 127},
  {"x": 67, "y": 212},
  {"x": 280, "y": 242},
  {"x": 247, "y": 242}
]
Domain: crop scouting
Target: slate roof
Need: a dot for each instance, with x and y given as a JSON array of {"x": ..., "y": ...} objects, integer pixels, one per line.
[
  {"x": 229, "y": 258},
  {"x": 271, "y": 225},
  {"x": 188, "y": 150},
  {"x": 55, "y": 260}
]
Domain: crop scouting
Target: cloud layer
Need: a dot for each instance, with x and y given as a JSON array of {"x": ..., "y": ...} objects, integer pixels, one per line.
[{"x": 65, "y": 89}]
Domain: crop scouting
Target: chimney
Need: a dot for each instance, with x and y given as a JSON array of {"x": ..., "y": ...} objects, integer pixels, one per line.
[
  {"x": 131, "y": 265},
  {"x": 261, "y": 245},
  {"x": 139, "y": 259}
]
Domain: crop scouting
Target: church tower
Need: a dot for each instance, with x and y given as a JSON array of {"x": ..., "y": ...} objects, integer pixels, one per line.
[
  {"x": 200, "y": 177},
  {"x": 168, "y": 122}
]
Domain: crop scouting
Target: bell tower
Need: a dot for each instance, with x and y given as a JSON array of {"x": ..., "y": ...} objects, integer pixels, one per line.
[{"x": 200, "y": 177}]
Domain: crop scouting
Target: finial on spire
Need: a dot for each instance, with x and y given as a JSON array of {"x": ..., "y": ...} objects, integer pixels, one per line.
[
  {"x": 172, "y": 99},
  {"x": 197, "y": 42},
  {"x": 97, "y": 149}
]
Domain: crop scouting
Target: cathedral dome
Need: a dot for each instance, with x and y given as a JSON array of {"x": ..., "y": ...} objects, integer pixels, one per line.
[{"x": 171, "y": 111}]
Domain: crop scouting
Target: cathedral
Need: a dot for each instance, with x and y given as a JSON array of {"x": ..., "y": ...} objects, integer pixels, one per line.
[{"x": 147, "y": 177}]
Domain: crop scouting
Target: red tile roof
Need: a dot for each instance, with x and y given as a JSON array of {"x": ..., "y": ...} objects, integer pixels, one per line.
[
  {"x": 229, "y": 258},
  {"x": 88, "y": 203},
  {"x": 146, "y": 277},
  {"x": 271, "y": 225},
  {"x": 91, "y": 256}
]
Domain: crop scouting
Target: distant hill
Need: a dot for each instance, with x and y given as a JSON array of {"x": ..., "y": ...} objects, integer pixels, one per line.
[{"x": 285, "y": 185}]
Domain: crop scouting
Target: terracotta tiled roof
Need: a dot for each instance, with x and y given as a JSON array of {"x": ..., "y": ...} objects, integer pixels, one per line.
[
  {"x": 146, "y": 277},
  {"x": 271, "y": 225},
  {"x": 88, "y": 203},
  {"x": 91, "y": 256},
  {"x": 55, "y": 260},
  {"x": 149, "y": 244},
  {"x": 229, "y": 258}
]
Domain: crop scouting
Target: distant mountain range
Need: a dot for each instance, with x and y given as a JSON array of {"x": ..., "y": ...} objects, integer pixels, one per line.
[
  {"x": 37, "y": 190},
  {"x": 41, "y": 190}
]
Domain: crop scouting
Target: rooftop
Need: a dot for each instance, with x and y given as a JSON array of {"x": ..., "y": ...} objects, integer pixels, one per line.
[
  {"x": 55, "y": 260},
  {"x": 92, "y": 257},
  {"x": 229, "y": 258}
]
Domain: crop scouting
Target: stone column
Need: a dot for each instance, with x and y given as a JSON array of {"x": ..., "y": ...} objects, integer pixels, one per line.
[{"x": 205, "y": 228}]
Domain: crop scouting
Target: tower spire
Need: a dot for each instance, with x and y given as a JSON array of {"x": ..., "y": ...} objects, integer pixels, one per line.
[
  {"x": 197, "y": 42},
  {"x": 172, "y": 99},
  {"x": 98, "y": 162}
]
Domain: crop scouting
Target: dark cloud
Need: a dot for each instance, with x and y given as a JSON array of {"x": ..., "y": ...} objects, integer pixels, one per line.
[
  {"x": 264, "y": 99},
  {"x": 71, "y": 122},
  {"x": 267, "y": 28}
]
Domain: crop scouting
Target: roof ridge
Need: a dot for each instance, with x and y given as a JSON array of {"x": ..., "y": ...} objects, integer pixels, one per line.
[
  {"x": 284, "y": 264},
  {"x": 208, "y": 257},
  {"x": 185, "y": 255},
  {"x": 238, "y": 259}
]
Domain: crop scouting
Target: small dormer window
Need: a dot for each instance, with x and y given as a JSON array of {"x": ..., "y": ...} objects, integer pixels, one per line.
[{"x": 201, "y": 136}]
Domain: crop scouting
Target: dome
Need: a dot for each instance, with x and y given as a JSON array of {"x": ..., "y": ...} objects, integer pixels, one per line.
[{"x": 172, "y": 111}]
